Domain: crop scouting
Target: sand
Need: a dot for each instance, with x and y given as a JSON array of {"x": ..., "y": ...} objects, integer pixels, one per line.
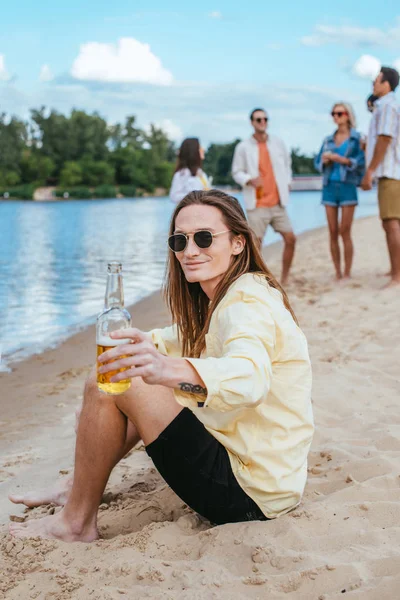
[{"x": 343, "y": 540}]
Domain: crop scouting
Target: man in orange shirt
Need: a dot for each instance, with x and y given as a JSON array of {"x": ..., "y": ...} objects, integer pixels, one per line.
[{"x": 262, "y": 166}]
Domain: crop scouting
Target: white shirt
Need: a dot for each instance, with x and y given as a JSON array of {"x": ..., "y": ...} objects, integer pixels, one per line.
[
  {"x": 386, "y": 121},
  {"x": 245, "y": 166},
  {"x": 183, "y": 182}
]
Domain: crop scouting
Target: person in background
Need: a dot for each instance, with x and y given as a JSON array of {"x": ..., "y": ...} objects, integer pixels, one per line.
[
  {"x": 189, "y": 176},
  {"x": 371, "y": 102},
  {"x": 342, "y": 162},
  {"x": 383, "y": 159},
  {"x": 262, "y": 167},
  {"x": 370, "y": 108}
]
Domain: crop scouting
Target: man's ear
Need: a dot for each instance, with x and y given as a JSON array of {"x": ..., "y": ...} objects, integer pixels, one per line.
[{"x": 238, "y": 244}]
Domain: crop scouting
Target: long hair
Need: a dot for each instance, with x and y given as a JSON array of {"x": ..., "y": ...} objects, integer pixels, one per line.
[
  {"x": 189, "y": 156},
  {"x": 189, "y": 306},
  {"x": 349, "y": 109}
]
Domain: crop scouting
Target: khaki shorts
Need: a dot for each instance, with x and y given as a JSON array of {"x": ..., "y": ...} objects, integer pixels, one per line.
[
  {"x": 389, "y": 198},
  {"x": 276, "y": 216}
]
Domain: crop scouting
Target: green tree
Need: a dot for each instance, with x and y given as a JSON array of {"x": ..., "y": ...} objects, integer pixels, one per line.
[
  {"x": 96, "y": 172},
  {"x": 218, "y": 162},
  {"x": 71, "y": 138},
  {"x": 163, "y": 174},
  {"x": 35, "y": 167},
  {"x": 301, "y": 163},
  {"x": 162, "y": 149},
  {"x": 9, "y": 178},
  {"x": 13, "y": 140},
  {"x": 71, "y": 174}
]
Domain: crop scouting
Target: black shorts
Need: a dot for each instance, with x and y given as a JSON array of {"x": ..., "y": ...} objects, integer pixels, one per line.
[{"x": 197, "y": 467}]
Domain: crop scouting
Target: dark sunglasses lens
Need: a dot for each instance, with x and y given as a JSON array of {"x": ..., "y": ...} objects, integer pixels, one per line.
[
  {"x": 262, "y": 120},
  {"x": 177, "y": 242},
  {"x": 203, "y": 239}
]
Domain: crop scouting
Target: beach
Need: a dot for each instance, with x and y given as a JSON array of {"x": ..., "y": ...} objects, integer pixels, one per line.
[{"x": 342, "y": 541}]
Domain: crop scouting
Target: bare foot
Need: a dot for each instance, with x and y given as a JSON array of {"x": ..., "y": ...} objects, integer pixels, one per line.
[
  {"x": 392, "y": 283},
  {"x": 54, "y": 527},
  {"x": 57, "y": 494}
]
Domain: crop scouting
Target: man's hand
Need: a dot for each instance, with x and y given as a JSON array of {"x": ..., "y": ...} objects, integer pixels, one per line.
[
  {"x": 256, "y": 182},
  {"x": 366, "y": 183},
  {"x": 140, "y": 358},
  {"x": 326, "y": 158},
  {"x": 338, "y": 158}
]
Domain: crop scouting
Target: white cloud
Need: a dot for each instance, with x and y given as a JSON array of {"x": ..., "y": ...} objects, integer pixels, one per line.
[
  {"x": 353, "y": 36},
  {"x": 367, "y": 66},
  {"x": 173, "y": 130},
  {"x": 215, "y": 14},
  {"x": 4, "y": 75},
  {"x": 45, "y": 74},
  {"x": 125, "y": 62}
]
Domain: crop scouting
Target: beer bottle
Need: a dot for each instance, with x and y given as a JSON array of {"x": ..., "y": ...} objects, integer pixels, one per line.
[{"x": 113, "y": 317}]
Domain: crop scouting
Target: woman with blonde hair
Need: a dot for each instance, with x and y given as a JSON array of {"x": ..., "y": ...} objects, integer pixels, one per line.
[
  {"x": 342, "y": 162},
  {"x": 221, "y": 399}
]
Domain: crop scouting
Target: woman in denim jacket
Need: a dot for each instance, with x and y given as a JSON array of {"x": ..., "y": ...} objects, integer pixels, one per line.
[{"x": 342, "y": 162}]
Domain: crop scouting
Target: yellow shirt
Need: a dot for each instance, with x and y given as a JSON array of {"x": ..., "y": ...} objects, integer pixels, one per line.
[{"x": 257, "y": 371}]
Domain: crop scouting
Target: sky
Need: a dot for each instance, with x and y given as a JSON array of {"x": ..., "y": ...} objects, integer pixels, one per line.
[{"x": 197, "y": 69}]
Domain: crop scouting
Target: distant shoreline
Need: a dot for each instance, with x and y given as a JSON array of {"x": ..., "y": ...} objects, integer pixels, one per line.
[{"x": 304, "y": 183}]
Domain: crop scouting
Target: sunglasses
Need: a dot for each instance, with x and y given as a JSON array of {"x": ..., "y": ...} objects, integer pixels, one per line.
[
  {"x": 339, "y": 113},
  {"x": 203, "y": 239},
  {"x": 261, "y": 120}
]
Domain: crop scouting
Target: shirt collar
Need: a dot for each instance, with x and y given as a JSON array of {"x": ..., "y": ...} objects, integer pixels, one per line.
[
  {"x": 353, "y": 134},
  {"x": 253, "y": 139},
  {"x": 386, "y": 99}
]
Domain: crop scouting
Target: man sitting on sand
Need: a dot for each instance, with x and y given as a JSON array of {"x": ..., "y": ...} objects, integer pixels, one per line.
[{"x": 221, "y": 400}]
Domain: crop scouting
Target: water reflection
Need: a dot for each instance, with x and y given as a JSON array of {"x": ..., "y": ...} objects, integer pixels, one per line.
[{"x": 53, "y": 259}]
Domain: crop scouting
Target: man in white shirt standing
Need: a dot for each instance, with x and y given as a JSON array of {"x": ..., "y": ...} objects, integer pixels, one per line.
[
  {"x": 262, "y": 167},
  {"x": 383, "y": 160}
]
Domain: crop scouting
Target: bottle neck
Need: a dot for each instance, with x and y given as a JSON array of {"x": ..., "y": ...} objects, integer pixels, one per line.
[{"x": 114, "y": 291}]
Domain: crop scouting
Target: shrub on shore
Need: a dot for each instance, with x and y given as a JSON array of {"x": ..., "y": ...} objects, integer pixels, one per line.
[
  {"x": 105, "y": 191},
  {"x": 101, "y": 191},
  {"x": 20, "y": 192},
  {"x": 128, "y": 191},
  {"x": 78, "y": 193}
]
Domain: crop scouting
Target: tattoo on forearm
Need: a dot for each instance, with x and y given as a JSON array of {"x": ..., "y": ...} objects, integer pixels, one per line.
[{"x": 192, "y": 389}]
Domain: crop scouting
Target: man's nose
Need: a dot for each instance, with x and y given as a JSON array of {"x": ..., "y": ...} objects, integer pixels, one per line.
[{"x": 192, "y": 249}]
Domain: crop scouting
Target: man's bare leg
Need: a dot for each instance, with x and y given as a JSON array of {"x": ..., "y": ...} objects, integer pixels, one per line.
[
  {"x": 100, "y": 442},
  {"x": 288, "y": 253},
  {"x": 59, "y": 492},
  {"x": 392, "y": 230}
]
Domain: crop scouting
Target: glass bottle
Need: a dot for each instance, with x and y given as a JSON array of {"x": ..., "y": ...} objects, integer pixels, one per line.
[
  {"x": 259, "y": 192},
  {"x": 113, "y": 317}
]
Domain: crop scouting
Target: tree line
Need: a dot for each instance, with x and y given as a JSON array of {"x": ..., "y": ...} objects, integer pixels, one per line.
[{"x": 82, "y": 155}]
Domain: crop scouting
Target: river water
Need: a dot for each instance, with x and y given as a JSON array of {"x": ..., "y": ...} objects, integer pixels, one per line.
[{"x": 54, "y": 255}]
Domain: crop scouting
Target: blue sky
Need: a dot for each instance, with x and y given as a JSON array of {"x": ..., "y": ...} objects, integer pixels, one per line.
[{"x": 198, "y": 68}]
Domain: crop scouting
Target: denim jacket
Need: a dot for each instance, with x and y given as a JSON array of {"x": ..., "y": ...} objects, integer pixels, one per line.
[{"x": 352, "y": 173}]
